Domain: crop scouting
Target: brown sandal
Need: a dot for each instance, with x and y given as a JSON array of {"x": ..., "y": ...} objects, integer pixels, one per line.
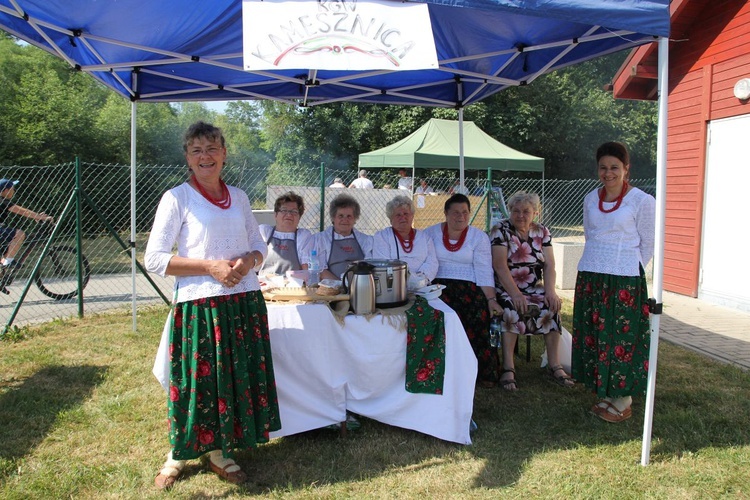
[
  {"x": 564, "y": 380},
  {"x": 610, "y": 413},
  {"x": 168, "y": 475},
  {"x": 510, "y": 384},
  {"x": 234, "y": 476}
]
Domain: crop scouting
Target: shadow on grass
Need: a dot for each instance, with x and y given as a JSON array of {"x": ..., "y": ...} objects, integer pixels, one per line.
[
  {"x": 29, "y": 409},
  {"x": 699, "y": 404}
]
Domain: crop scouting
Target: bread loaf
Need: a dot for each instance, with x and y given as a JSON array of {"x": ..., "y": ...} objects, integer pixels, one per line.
[{"x": 327, "y": 290}]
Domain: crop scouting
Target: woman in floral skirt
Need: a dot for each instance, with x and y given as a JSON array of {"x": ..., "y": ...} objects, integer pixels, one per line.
[
  {"x": 221, "y": 389},
  {"x": 611, "y": 328},
  {"x": 465, "y": 268}
]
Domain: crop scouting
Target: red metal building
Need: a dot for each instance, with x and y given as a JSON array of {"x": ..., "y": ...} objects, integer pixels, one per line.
[{"x": 708, "y": 146}]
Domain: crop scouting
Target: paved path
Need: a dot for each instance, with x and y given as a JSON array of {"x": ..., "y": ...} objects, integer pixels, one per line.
[{"x": 715, "y": 331}]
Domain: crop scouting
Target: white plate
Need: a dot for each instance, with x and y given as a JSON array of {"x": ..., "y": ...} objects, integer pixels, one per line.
[{"x": 431, "y": 292}]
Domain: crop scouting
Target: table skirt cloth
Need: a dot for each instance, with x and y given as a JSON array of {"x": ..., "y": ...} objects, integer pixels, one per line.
[{"x": 323, "y": 369}]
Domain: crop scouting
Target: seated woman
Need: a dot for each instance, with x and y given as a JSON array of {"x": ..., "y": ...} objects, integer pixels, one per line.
[
  {"x": 288, "y": 245},
  {"x": 340, "y": 244},
  {"x": 402, "y": 242},
  {"x": 465, "y": 268},
  {"x": 525, "y": 280}
]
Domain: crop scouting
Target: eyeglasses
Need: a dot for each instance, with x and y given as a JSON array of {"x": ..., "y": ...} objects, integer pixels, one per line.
[
  {"x": 293, "y": 213},
  {"x": 212, "y": 151}
]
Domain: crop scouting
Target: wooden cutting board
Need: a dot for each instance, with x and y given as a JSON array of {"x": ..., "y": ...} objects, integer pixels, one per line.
[{"x": 301, "y": 295}]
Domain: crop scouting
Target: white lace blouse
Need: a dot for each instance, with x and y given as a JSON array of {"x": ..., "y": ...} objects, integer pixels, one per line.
[
  {"x": 421, "y": 259},
  {"x": 617, "y": 242},
  {"x": 473, "y": 262},
  {"x": 201, "y": 230}
]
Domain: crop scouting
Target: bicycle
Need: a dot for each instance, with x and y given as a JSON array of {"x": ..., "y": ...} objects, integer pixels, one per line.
[{"x": 57, "y": 275}]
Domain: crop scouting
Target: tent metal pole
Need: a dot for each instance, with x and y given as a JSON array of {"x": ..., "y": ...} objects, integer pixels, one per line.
[
  {"x": 461, "y": 139},
  {"x": 661, "y": 203},
  {"x": 133, "y": 270}
]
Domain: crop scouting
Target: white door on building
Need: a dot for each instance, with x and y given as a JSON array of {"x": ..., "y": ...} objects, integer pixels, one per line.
[{"x": 725, "y": 271}]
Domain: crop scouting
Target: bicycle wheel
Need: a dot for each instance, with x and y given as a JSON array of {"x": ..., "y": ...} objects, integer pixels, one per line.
[{"x": 57, "y": 277}]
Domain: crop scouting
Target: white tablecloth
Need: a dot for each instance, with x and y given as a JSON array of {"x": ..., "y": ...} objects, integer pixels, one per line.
[{"x": 323, "y": 369}]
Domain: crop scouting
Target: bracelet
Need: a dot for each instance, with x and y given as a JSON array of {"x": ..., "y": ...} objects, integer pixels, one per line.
[{"x": 492, "y": 298}]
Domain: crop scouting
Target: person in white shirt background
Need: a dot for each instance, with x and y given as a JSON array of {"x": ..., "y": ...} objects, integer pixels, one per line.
[
  {"x": 338, "y": 182},
  {"x": 404, "y": 181},
  {"x": 362, "y": 182},
  {"x": 423, "y": 188}
]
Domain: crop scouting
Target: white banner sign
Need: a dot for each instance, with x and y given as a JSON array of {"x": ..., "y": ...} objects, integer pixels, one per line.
[{"x": 337, "y": 35}]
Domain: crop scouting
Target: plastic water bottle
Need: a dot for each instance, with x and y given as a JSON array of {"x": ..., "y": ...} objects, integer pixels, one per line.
[
  {"x": 313, "y": 269},
  {"x": 495, "y": 331}
]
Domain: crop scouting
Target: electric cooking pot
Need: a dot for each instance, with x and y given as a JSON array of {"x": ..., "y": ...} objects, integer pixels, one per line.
[{"x": 390, "y": 282}]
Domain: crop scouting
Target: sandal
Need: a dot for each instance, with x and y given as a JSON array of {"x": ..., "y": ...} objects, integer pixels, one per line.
[
  {"x": 169, "y": 474},
  {"x": 563, "y": 380},
  {"x": 230, "y": 472},
  {"x": 509, "y": 384},
  {"x": 609, "y": 412}
]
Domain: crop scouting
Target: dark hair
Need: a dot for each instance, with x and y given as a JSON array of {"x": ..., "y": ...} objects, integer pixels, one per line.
[
  {"x": 290, "y": 196},
  {"x": 202, "y": 129},
  {"x": 343, "y": 201},
  {"x": 616, "y": 149},
  {"x": 455, "y": 199}
]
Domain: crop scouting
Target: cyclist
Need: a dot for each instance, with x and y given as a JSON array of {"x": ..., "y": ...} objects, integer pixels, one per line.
[{"x": 11, "y": 238}]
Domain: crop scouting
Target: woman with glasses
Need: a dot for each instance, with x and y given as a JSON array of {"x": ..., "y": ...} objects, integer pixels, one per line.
[
  {"x": 215, "y": 358},
  {"x": 340, "y": 244},
  {"x": 288, "y": 245}
]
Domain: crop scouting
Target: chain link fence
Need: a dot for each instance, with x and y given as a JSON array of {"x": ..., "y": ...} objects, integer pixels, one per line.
[{"x": 104, "y": 215}]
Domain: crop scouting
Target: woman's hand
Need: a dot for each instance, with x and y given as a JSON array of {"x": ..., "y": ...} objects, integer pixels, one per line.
[
  {"x": 553, "y": 302},
  {"x": 519, "y": 303},
  {"x": 224, "y": 272},
  {"x": 495, "y": 308}
]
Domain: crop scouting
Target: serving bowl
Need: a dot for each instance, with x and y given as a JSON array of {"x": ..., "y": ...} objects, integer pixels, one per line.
[{"x": 431, "y": 291}]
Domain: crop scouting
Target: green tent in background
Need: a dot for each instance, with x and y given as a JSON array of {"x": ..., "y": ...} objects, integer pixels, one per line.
[{"x": 435, "y": 145}]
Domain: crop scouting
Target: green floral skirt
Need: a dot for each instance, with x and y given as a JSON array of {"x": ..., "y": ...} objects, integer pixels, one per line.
[
  {"x": 611, "y": 334},
  {"x": 222, "y": 393}
]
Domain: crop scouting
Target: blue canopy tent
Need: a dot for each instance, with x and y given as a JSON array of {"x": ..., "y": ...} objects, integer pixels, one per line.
[{"x": 182, "y": 50}]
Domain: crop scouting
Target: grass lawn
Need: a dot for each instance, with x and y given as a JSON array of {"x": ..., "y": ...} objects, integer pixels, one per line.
[{"x": 82, "y": 417}]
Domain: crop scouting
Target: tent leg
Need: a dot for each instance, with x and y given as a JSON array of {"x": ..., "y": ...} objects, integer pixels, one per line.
[
  {"x": 133, "y": 256},
  {"x": 661, "y": 191}
]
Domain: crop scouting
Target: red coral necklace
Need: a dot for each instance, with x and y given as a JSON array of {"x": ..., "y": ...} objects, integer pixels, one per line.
[
  {"x": 618, "y": 200},
  {"x": 226, "y": 198},
  {"x": 408, "y": 243},
  {"x": 447, "y": 242}
]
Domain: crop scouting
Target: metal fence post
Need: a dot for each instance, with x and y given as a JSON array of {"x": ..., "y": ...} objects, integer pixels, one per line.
[
  {"x": 322, "y": 195},
  {"x": 79, "y": 238}
]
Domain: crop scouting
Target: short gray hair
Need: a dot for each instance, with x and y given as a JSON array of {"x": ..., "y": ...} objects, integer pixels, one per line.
[
  {"x": 398, "y": 202},
  {"x": 524, "y": 198},
  {"x": 343, "y": 201}
]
